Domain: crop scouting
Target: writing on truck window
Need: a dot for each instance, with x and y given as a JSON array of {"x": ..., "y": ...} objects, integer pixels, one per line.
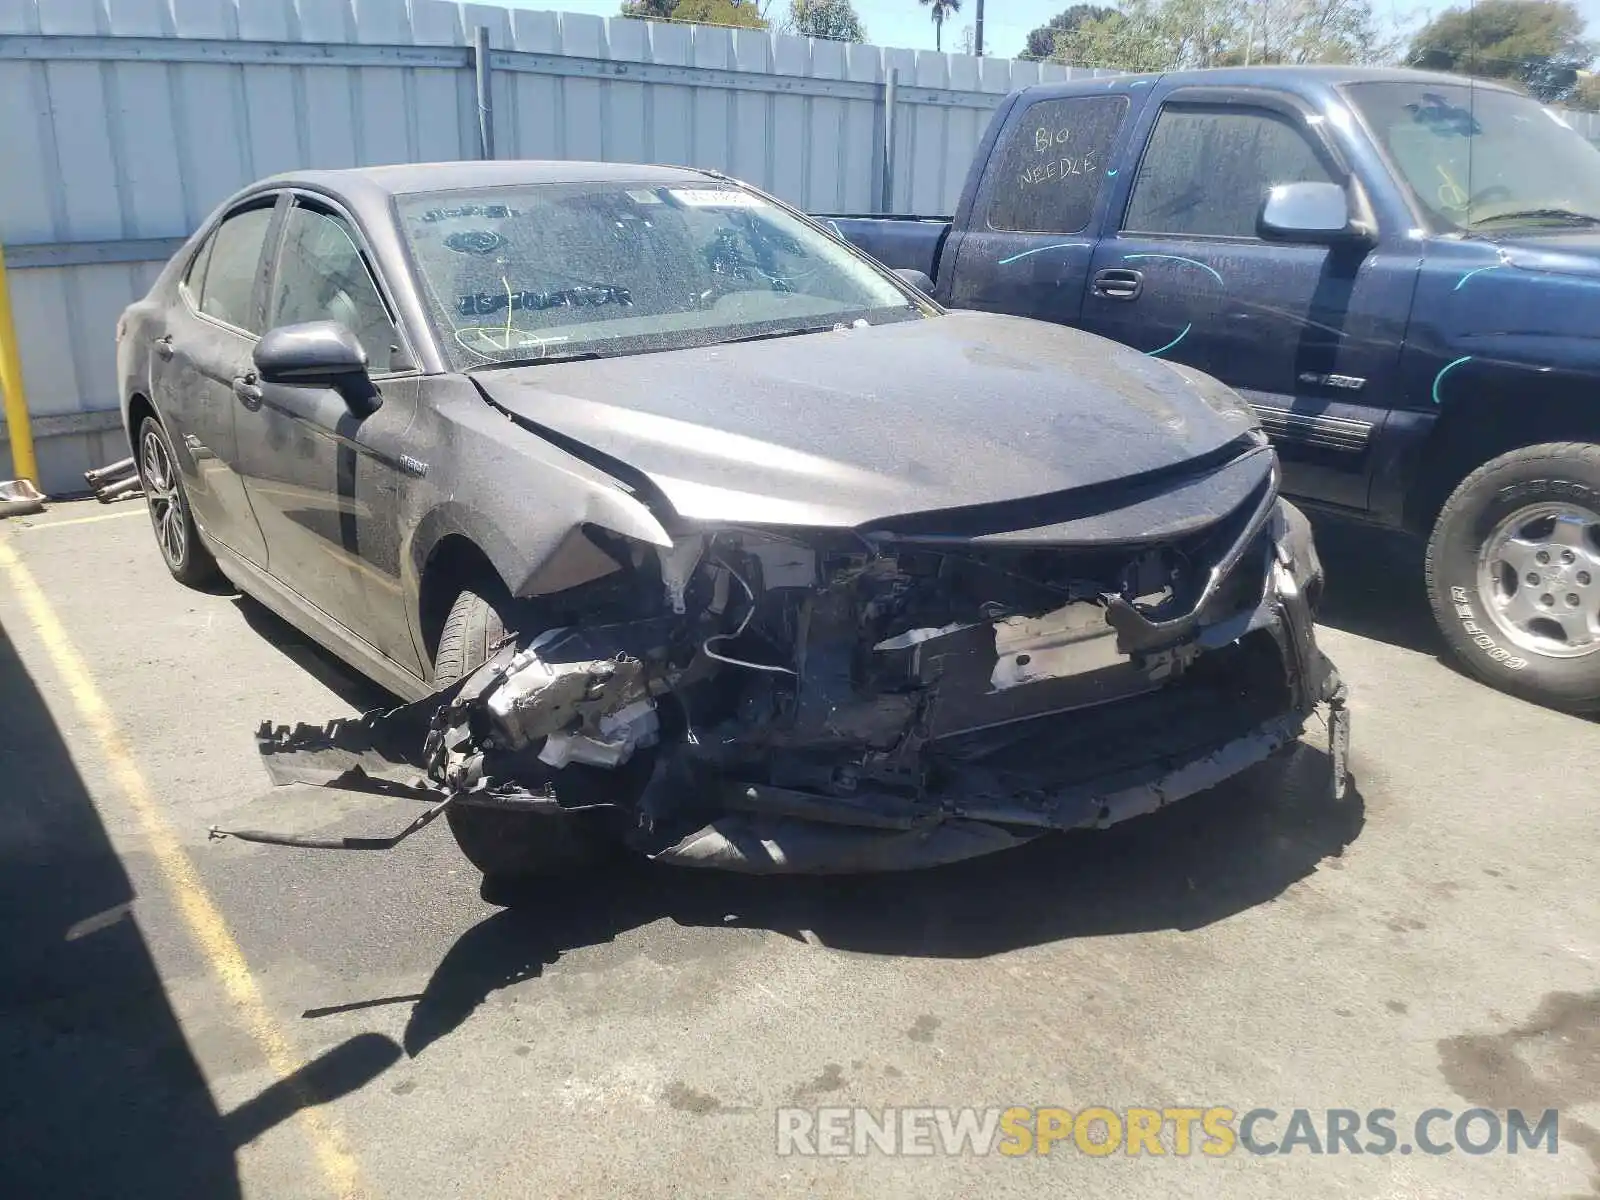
[
  {"x": 1050, "y": 168},
  {"x": 1057, "y": 158}
]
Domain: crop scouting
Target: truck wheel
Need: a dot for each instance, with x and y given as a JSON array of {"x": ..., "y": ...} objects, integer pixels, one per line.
[
  {"x": 511, "y": 847},
  {"x": 1514, "y": 573}
]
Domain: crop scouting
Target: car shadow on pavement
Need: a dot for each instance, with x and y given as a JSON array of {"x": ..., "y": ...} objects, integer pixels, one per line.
[
  {"x": 100, "y": 1093},
  {"x": 353, "y": 688},
  {"x": 1197, "y": 862},
  {"x": 1375, "y": 587}
]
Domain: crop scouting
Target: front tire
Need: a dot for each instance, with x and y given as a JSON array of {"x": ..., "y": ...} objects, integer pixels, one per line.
[
  {"x": 508, "y": 846},
  {"x": 187, "y": 559},
  {"x": 1513, "y": 574}
]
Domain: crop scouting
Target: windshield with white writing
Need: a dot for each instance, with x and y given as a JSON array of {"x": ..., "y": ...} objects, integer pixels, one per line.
[
  {"x": 1482, "y": 159},
  {"x": 553, "y": 271}
]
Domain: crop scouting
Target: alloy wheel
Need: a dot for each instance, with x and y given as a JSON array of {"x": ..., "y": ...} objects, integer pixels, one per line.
[
  {"x": 1539, "y": 579},
  {"x": 164, "y": 498}
]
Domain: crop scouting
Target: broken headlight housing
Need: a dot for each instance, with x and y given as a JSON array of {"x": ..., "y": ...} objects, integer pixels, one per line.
[{"x": 1296, "y": 551}]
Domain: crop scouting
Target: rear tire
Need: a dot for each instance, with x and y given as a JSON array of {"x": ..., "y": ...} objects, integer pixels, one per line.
[
  {"x": 510, "y": 847},
  {"x": 186, "y": 556},
  {"x": 1513, "y": 574}
]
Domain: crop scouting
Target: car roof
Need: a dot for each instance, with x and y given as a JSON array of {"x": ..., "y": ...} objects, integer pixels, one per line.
[
  {"x": 380, "y": 183},
  {"x": 1321, "y": 74}
]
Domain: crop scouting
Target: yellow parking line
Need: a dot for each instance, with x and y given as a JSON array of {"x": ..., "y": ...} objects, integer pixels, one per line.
[
  {"x": 200, "y": 913},
  {"x": 132, "y": 512}
]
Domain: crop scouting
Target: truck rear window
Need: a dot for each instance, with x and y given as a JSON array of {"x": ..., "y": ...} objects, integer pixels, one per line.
[{"x": 1050, "y": 167}]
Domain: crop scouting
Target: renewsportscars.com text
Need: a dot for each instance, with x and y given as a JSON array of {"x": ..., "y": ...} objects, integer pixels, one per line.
[{"x": 1212, "y": 1132}]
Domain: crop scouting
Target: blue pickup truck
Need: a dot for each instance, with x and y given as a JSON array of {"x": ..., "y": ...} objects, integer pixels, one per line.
[{"x": 1399, "y": 270}]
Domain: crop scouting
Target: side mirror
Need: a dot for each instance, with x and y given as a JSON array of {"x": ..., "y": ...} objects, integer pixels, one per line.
[
  {"x": 1309, "y": 212},
  {"x": 917, "y": 279},
  {"x": 315, "y": 354}
]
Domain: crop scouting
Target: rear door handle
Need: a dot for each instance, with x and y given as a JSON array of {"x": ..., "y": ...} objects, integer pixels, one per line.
[
  {"x": 244, "y": 387},
  {"x": 164, "y": 346},
  {"x": 1118, "y": 283}
]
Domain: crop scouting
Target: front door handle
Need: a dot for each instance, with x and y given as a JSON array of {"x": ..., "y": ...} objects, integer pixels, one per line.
[
  {"x": 245, "y": 388},
  {"x": 164, "y": 346},
  {"x": 1118, "y": 283}
]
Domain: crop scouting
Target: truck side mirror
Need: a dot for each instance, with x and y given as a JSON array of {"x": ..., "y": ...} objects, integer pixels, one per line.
[
  {"x": 1310, "y": 212},
  {"x": 917, "y": 279}
]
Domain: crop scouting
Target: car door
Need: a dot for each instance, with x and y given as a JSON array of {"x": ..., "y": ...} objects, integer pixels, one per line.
[
  {"x": 1309, "y": 334},
  {"x": 210, "y": 333},
  {"x": 321, "y": 466},
  {"x": 1023, "y": 248}
]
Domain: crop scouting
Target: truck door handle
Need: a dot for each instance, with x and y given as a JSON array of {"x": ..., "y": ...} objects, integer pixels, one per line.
[
  {"x": 164, "y": 346},
  {"x": 1118, "y": 283},
  {"x": 244, "y": 387}
]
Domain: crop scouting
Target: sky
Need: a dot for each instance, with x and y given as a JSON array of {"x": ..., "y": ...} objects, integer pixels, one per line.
[{"x": 1006, "y": 23}]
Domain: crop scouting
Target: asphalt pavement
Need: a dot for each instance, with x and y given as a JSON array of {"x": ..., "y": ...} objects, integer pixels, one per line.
[{"x": 188, "y": 1018}]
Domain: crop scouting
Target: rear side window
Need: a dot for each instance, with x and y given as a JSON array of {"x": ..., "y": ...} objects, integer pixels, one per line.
[
  {"x": 1049, "y": 171},
  {"x": 228, "y": 292},
  {"x": 1206, "y": 171}
]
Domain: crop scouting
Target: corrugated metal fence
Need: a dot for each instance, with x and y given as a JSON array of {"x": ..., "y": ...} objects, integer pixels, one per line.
[
  {"x": 123, "y": 122},
  {"x": 1586, "y": 123}
]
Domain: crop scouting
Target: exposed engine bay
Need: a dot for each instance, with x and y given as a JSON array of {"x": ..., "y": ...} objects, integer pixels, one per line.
[{"x": 774, "y": 700}]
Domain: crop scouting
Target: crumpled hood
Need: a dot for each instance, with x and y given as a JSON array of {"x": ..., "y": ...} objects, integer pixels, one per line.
[{"x": 854, "y": 426}]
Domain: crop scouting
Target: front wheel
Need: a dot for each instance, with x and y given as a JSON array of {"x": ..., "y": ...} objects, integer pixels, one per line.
[
  {"x": 1514, "y": 573},
  {"x": 186, "y": 558},
  {"x": 508, "y": 846}
]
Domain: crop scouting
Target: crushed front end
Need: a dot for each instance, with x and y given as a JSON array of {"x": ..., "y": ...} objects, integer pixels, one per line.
[{"x": 773, "y": 700}]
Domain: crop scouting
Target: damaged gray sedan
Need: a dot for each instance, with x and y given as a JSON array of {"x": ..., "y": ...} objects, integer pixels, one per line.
[{"x": 681, "y": 526}]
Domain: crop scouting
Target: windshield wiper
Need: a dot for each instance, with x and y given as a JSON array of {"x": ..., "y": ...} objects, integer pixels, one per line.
[
  {"x": 1564, "y": 215},
  {"x": 781, "y": 333},
  {"x": 832, "y": 326},
  {"x": 570, "y": 356}
]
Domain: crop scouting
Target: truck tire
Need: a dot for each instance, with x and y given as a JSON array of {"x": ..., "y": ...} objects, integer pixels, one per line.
[
  {"x": 1513, "y": 571},
  {"x": 511, "y": 847}
]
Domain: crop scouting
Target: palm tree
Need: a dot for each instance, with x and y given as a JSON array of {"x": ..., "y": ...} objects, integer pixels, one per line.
[{"x": 939, "y": 10}]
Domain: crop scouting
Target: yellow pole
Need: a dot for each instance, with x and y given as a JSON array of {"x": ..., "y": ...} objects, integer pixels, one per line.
[{"x": 23, "y": 464}]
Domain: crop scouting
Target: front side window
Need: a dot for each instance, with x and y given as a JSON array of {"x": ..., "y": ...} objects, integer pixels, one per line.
[
  {"x": 1049, "y": 173},
  {"x": 228, "y": 291},
  {"x": 546, "y": 271},
  {"x": 323, "y": 276},
  {"x": 1206, "y": 171},
  {"x": 1482, "y": 158},
  {"x": 195, "y": 276}
]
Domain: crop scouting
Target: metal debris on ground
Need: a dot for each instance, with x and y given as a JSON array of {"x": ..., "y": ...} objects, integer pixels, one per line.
[
  {"x": 119, "y": 480},
  {"x": 19, "y": 498}
]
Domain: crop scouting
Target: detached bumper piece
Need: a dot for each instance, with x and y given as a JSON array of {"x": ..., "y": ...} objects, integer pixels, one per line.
[{"x": 848, "y": 702}]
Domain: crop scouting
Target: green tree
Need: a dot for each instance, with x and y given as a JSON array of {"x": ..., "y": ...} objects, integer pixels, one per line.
[
  {"x": 659, "y": 10},
  {"x": 1310, "y": 31},
  {"x": 1537, "y": 43},
  {"x": 719, "y": 12},
  {"x": 1155, "y": 35},
  {"x": 940, "y": 11},
  {"x": 1162, "y": 35},
  {"x": 747, "y": 14},
  {"x": 1042, "y": 41},
  {"x": 835, "y": 20},
  {"x": 1586, "y": 95}
]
